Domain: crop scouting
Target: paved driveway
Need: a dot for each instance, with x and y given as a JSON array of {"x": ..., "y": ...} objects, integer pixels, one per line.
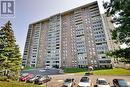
[
  {"x": 57, "y": 80},
  {"x": 41, "y": 71}
]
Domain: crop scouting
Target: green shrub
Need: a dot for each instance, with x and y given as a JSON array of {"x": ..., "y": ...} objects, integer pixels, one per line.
[
  {"x": 13, "y": 77},
  {"x": 3, "y": 78},
  {"x": 74, "y": 70}
]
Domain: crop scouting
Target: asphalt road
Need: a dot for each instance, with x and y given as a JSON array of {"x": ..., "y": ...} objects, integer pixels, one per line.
[
  {"x": 57, "y": 80},
  {"x": 42, "y": 71}
]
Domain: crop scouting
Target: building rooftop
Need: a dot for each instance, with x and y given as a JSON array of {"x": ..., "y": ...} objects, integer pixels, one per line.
[{"x": 63, "y": 13}]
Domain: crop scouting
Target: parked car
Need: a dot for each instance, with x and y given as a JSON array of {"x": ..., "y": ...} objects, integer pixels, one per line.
[
  {"x": 120, "y": 83},
  {"x": 25, "y": 77},
  {"x": 61, "y": 71},
  {"x": 31, "y": 80},
  {"x": 42, "y": 79},
  {"x": 84, "y": 82},
  {"x": 69, "y": 82},
  {"x": 101, "y": 82},
  {"x": 24, "y": 74}
]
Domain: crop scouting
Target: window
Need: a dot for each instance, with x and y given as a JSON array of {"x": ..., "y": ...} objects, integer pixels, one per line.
[
  {"x": 49, "y": 52},
  {"x": 57, "y": 54},
  {"x": 33, "y": 61},
  {"x": 57, "y": 44},
  {"x": 32, "y": 65},
  {"x": 103, "y": 57},
  {"x": 34, "y": 56},
  {"x": 57, "y": 47},
  {"x": 57, "y": 61},
  {"x": 47, "y": 61}
]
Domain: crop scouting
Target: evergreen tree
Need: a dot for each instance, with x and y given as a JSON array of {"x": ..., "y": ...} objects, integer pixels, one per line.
[
  {"x": 120, "y": 11},
  {"x": 10, "y": 57}
]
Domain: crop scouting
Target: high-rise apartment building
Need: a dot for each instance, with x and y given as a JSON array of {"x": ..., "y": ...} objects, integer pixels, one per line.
[{"x": 76, "y": 38}]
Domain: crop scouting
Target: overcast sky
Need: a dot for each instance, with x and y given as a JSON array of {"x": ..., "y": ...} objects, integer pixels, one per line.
[{"x": 28, "y": 11}]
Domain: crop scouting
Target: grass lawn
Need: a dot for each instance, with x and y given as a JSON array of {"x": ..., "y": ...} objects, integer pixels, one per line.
[
  {"x": 17, "y": 84},
  {"x": 114, "y": 71}
]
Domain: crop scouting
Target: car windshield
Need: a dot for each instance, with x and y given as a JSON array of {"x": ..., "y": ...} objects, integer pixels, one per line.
[
  {"x": 128, "y": 84},
  {"x": 42, "y": 78},
  {"x": 68, "y": 80},
  {"x": 39, "y": 76},
  {"x": 46, "y": 76},
  {"x": 32, "y": 77},
  {"x": 24, "y": 74},
  {"x": 122, "y": 82},
  {"x": 84, "y": 79},
  {"x": 102, "y": 82}
]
